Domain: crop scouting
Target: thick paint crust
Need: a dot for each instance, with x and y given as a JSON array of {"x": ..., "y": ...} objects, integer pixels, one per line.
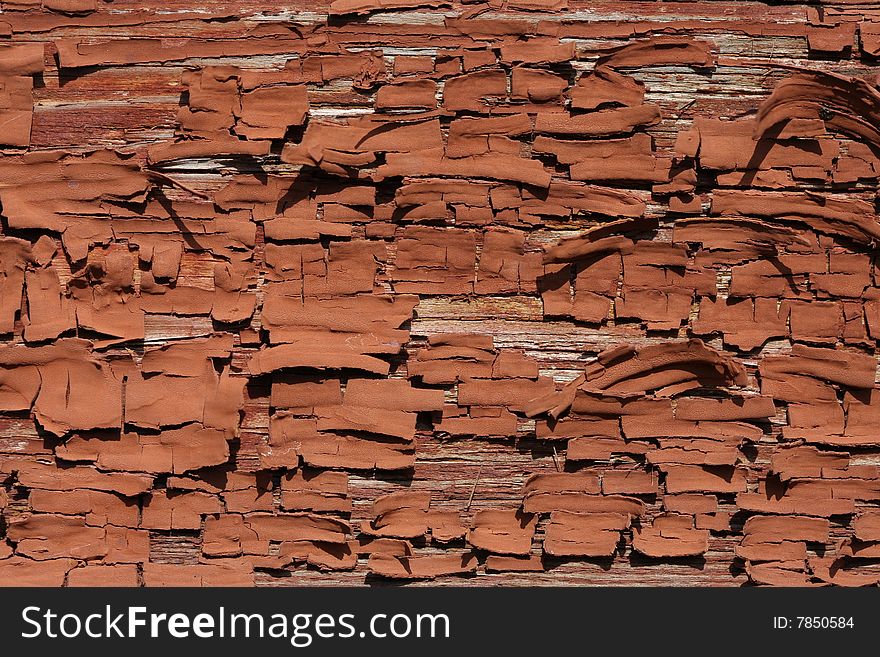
[{"x": 505, "y": 292}]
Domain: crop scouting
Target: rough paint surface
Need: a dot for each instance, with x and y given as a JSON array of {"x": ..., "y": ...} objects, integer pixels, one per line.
[{"x": 507, "y": 292}]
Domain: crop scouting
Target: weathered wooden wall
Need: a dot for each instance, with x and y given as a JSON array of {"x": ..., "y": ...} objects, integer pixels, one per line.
[{"x": 183, "y": 94}]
